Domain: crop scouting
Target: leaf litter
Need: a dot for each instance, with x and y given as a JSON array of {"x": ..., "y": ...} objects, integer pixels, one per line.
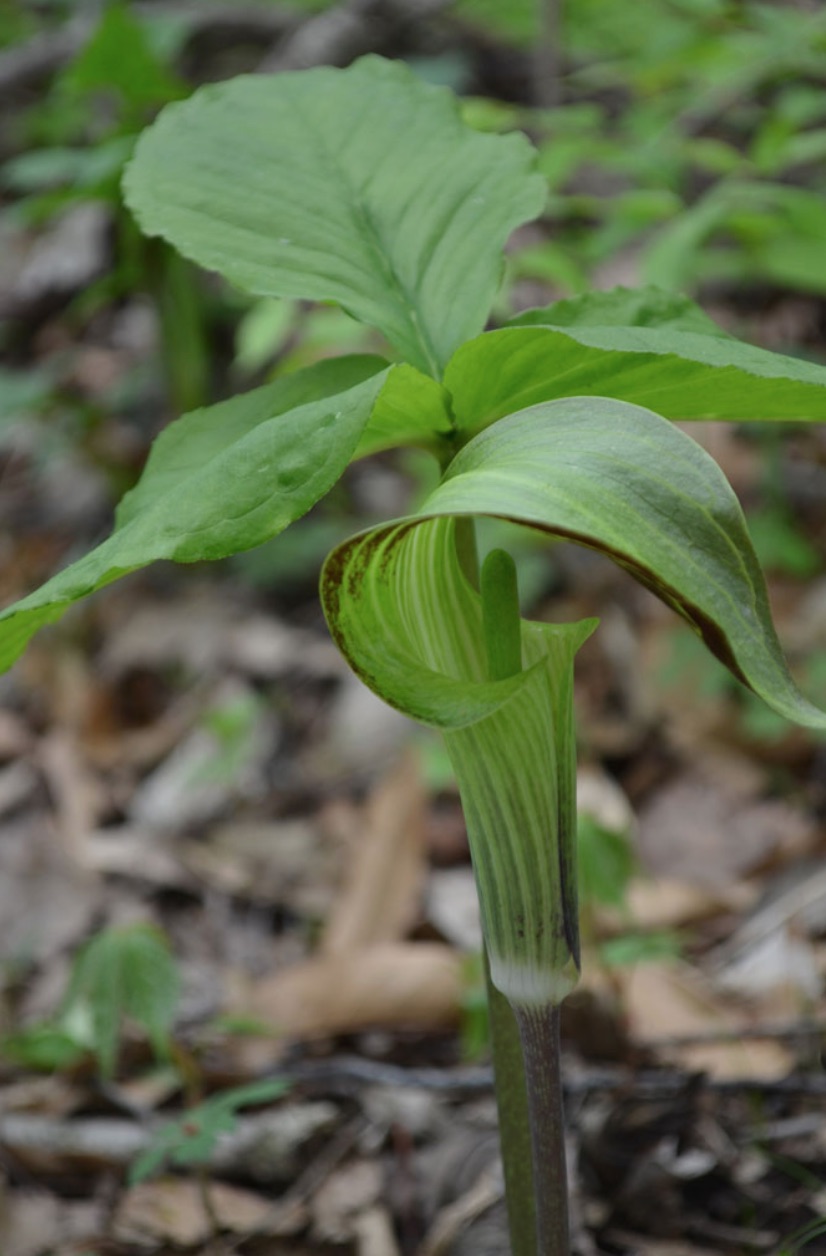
[{"x": 357, "y": 990}]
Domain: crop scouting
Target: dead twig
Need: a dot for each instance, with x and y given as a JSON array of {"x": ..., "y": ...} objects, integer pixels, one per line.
[
  {"x": 788, "y": 1032},
  {"x": 348, "y": 30},
  {"x": 456, "y": 1217},
  {"x": 290, "y": 1205},
  {"x": 26, "y": 65},
  {"x": 343, "y": 1075}
]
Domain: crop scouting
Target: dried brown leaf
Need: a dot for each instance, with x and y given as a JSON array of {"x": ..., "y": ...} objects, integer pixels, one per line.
[
  {"x": 669, "y": 903},
  {"x": 703, "y": 830},
  {"x": 349, "y": 1191},
  {"x": 78, "y": 799},
  {"x": 35, "y": 1221},
  {"x": 381, "y": 895},
  {"x": 391, "y": 985},
  {"x": 673, "y": 1001},
  {"x": 173, "y": 1210}
]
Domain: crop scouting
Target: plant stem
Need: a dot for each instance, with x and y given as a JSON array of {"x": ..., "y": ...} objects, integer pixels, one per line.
[
  {"x": 548, "y": 54},
  {"x": 539, "y": 1036},
  {"x": 514, "y": 1120},
  {"x": 173, "y": 283}
]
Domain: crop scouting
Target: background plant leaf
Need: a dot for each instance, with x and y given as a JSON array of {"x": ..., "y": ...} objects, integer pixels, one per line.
[
  {"x": 360, "y": 186},
  {"x": 748, "y": 229},
  {"x": 192, "y": 1139},
  {"x": 119, "y": 58},
  {"x": 126, "y": 972}
]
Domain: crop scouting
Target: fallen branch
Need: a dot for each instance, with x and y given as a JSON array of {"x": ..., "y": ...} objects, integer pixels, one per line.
[
  {"x": 348, "y": 31},
  {"x": 26, "y": 65},
  {"x": 265, "y": 1147}
]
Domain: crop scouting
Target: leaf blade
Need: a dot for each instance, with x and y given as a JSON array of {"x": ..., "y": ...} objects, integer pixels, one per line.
[
  {"x": 414, "y": 410},
  {"x": 204, "y": 435},
  {"x": 364, "y": 188},
  {"x": 621, "y": 479},
  {"x": 683, "y": 375},
  {"x": 230, "y": 497}
]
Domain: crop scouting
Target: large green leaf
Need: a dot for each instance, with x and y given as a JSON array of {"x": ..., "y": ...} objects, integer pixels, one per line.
[
  {"x": 410, "y": 410},
  {"x": 221, "y": 480},
  {"x": 204, "y": 436},
  {"x": 681, "y": 374},
  {"x": 361, "y": 186},
  {"x": 609, "y": 475},
  {"x": 624, "y": 481}
]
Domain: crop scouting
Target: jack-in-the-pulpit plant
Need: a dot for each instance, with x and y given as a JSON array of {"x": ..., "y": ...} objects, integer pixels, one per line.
[{"x": 364, "y": 187}]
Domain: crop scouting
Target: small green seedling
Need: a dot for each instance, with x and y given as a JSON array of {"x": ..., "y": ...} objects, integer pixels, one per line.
[
  {"x": 191, "y": 1139},
  {"x": 189, "y": 1142},
  {"x": 363, "y": 187},
  {"x": 124, "y": 975}
]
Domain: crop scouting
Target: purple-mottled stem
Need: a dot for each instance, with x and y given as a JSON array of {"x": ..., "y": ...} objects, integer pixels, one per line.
[{"x": 539, "y": 1036}]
